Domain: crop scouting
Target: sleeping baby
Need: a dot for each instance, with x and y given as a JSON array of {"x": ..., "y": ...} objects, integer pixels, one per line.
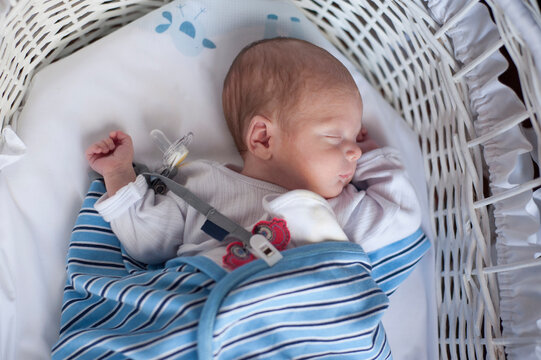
[{"x": 294, "y": 112}]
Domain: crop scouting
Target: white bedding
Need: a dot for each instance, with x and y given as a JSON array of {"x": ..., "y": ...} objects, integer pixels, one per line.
[
  {"x": 510, "y": 158},
  {"x": 150, "y": 75}
]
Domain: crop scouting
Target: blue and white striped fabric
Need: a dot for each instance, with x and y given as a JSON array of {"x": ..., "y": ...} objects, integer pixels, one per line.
[{"x": 321, "y": 301}]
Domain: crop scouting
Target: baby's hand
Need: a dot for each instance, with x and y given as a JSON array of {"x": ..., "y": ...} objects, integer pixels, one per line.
[
  {"x": 112, "y": 154},
  {"x": 365, "y": 142}
]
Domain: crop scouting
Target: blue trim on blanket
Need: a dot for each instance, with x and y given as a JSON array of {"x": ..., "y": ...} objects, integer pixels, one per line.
[
  {"x": 392, "y": 264},
  {"x": 208, "y": 316},
  {"x": 204, "y": 264}
]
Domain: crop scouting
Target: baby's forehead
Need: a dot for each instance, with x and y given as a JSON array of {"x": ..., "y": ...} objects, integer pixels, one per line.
[
  {"x": 330, "y": 98},
  {"x": 328, "y": 107}
]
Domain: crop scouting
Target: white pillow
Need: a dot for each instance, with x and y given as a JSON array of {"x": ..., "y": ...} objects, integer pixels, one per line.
[{"x": 163, "y": 71}]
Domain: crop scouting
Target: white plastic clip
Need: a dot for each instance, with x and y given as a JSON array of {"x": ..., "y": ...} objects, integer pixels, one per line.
[{"x": 263, "y": 249}]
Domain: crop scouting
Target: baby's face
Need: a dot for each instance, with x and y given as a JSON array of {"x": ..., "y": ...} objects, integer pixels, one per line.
[{"x": 320, "y": 153}]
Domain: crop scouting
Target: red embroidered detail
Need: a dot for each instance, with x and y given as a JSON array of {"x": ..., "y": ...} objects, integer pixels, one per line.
[
  {"x": 275, "y": 231},
  {"x": 236, "y": 255}
]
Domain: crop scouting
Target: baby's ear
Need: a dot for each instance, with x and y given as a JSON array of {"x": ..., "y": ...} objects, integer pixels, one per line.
[{"x": 259, "y": 137}]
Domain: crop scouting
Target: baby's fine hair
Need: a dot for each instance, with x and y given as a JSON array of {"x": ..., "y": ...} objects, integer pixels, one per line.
[{"x": 269, "y": 77}]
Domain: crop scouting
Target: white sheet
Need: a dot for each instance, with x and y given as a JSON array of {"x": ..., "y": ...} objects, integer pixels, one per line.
[
  {"x": 11, "y": 147},
  {"x": 138, "y": 79}
]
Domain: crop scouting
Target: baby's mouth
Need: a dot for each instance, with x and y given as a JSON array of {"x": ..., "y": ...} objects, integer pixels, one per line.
[{"x": 346, "y": 177}]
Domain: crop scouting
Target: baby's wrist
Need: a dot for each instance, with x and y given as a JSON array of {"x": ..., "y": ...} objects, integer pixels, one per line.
[
  {"x": 120, "y": 177},
  {"x": 118, "y": 171}
]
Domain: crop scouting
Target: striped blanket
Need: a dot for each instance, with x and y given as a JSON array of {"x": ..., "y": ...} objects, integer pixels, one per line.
[{"x": 321, "y": 301}]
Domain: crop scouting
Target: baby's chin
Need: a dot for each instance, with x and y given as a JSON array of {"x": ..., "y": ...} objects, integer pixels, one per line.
[
  {"x": 331, "y": 192},
  {"x": 326, "y": 191}
]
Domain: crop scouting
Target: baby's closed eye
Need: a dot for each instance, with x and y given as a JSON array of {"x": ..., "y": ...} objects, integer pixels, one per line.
[{"x": 335, "y": 139}]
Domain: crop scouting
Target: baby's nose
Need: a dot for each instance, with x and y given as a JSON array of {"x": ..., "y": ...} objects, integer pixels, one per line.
[{"x": 353, "y": 153}]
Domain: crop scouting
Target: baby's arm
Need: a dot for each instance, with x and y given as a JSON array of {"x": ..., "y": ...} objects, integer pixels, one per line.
[
  {"x": 149, "y": 226},
  {"x": 381, "y": 206},
  {"x": 112, "y": 158}
]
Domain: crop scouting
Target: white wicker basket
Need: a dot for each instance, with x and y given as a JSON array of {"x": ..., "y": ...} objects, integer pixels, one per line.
[{"x": 408, "y": 56}]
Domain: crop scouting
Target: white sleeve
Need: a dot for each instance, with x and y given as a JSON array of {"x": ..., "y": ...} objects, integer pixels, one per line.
[
  {"x": 149, "y": 226},
  {"x": 309, "y": 217},
  {"x": 381, "y": 206}
]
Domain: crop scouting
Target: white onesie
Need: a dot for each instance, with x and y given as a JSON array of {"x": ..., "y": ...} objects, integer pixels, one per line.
[{"x": 155, "y": 228}]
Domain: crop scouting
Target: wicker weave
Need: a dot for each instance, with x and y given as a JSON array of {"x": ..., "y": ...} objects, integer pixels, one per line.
[{"x": 406, "y": 55}]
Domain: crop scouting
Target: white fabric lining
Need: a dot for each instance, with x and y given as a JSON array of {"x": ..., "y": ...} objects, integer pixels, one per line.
[
  {"x": 529, "y": 28},
  {"x": 11, "y": 147},
  {"x": 510, "y": 164}
]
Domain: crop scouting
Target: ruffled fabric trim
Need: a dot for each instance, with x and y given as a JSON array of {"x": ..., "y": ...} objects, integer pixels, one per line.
[{"x": 510, "y": 163}]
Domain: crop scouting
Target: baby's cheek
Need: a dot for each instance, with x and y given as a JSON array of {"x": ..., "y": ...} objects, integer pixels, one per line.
[{"x": 332, "y": 160}]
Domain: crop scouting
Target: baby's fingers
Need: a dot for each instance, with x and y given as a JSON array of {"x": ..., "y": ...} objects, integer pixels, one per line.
[
  {"x": 101, "y": 147},
  {"x": 107, "y": 144},
  {"x": 362, "y": 134},
  {"x": 93, "y": 149},
  {"x": 119, "y": 137}
]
